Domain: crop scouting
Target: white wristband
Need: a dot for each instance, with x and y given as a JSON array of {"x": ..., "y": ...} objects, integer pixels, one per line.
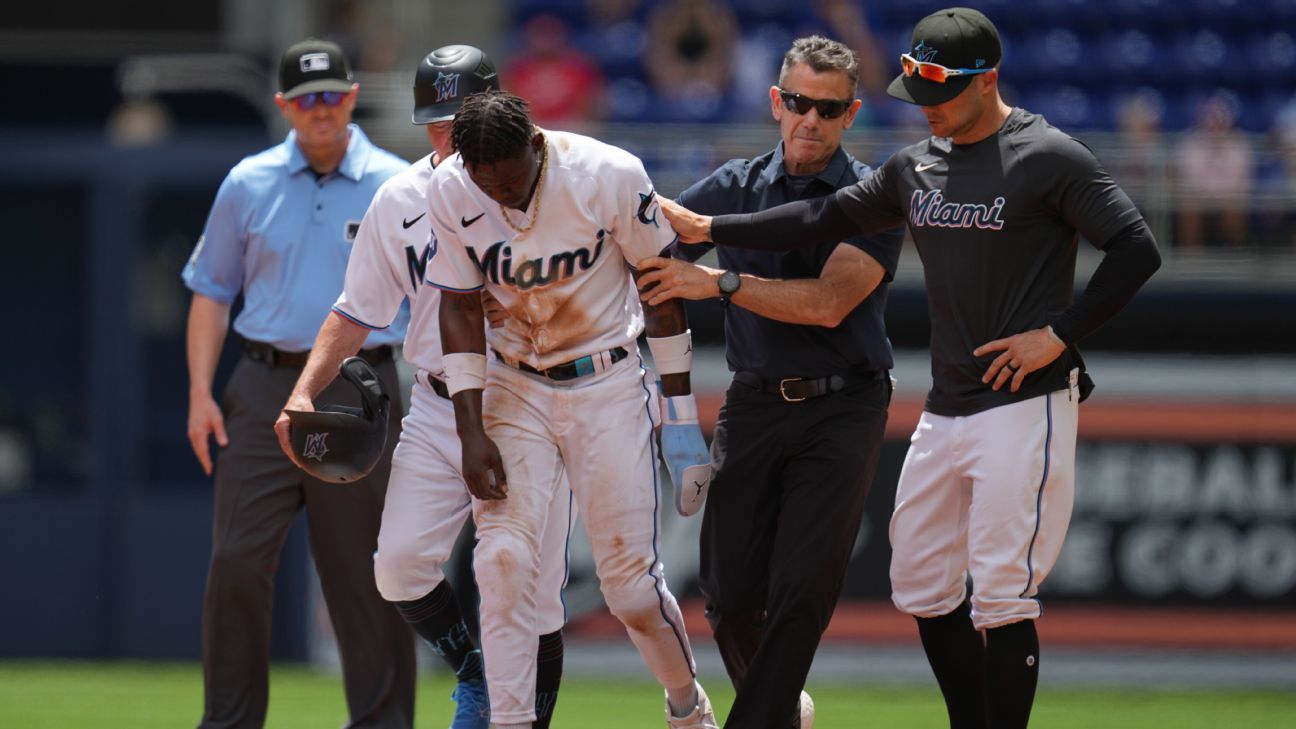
[
  {"x": 464, "y": 371},
  {"x": 680, "y": 409},
  {"x": 673, "y": 354},
  {"x": 1053, "y": 335}
]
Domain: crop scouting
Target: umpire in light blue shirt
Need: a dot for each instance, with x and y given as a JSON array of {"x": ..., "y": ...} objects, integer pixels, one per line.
[{"x": 279, "y": 233}]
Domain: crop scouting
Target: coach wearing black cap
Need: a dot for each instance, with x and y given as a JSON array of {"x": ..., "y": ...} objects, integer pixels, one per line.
[
  {"x": 995, "y": 201},
  {"x": 279, "y": 235}
]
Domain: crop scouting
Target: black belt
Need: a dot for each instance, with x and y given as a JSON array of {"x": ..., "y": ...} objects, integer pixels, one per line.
[
  {"x": 570, "y": 370},
  {"x": 437, "y": 386},
  {"x": 267, "y": 354},
  {"x": 796, "y": 389}
]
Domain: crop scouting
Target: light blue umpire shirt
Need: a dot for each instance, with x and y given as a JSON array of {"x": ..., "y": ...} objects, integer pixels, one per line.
[{"x": 282, "y": 237}]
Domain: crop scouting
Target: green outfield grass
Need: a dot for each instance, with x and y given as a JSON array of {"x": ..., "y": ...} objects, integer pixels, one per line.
[{"x": 82, "y": 695}]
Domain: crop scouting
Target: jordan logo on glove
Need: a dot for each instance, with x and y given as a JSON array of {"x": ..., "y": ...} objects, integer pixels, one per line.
[{"x": 685, "y": 453}]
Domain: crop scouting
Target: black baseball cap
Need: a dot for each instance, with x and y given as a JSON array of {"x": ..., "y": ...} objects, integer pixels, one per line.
[
  {"x": 447, "y": 76},
  {"x": 953, "y": 38},
  {"x": 313, "y": 65}
]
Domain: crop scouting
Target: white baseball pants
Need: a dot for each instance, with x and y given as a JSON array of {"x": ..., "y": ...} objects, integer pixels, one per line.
[
  {"x": 427, "y": 504},
  {"x": 989, "y": 495},
  {"x": 597, "y": 430}
]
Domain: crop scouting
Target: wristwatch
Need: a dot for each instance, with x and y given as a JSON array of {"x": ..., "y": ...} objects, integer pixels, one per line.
[{"x": 729, "y": 283}]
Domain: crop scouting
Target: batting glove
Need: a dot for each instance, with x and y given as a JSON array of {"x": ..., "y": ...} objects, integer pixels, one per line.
[{"x": 685, "y": 452}]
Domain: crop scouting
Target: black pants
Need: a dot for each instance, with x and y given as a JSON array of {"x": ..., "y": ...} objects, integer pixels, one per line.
[
  {"x": 781, "y": 521},
  {"x": 258, "y": 493}
]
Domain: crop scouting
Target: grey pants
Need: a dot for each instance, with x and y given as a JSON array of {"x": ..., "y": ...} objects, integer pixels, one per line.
[{"x": 258, "y": 493}]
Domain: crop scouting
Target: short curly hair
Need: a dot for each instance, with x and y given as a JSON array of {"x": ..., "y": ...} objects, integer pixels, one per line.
[{"x": 491, "y": 127}]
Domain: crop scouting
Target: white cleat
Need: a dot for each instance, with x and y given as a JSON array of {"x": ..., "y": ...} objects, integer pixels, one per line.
[
  {"x": 701, "y": 718},
  {"x": 806, "y": 706}
]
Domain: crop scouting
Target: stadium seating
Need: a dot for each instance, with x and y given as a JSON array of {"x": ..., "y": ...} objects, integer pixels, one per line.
[{"x": 1070, "y": 59}]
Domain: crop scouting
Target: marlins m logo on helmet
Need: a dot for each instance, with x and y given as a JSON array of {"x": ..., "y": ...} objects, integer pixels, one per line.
[
  {"x": 315, "y": 446},
  {"x": 447, "y": 86}
]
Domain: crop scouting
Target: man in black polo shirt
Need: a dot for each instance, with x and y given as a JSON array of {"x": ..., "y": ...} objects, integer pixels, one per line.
[
  {"x": 797, "y": 440},
  {"x": 995, "y": 201}
]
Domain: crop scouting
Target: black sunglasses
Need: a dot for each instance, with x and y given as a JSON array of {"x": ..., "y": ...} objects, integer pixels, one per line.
[{"x": 827, "y": 108}]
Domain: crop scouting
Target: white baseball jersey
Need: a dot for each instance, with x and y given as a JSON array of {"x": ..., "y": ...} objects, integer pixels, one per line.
[
  {"x": 427, "y": 502},
  {"x": 566, "y": 286},
  {"x": 387, "y": 266},
  {"x": 564, "y": 282}
]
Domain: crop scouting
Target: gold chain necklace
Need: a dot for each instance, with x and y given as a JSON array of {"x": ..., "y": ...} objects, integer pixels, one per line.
[{"x": 544, "y": 164}]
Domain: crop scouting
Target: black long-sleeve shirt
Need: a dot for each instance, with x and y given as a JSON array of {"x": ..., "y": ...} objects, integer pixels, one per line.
[{"x": 996, "y": 224}]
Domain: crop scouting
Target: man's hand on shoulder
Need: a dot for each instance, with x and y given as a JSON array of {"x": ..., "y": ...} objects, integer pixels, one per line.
[{"x": 691, "y": 227}]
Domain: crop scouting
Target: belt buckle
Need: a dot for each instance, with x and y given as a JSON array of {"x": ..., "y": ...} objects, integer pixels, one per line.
[{"x": 783, "y": 391}]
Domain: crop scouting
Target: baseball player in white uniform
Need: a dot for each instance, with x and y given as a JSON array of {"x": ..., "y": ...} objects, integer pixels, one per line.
[
  {"x": 548, "y": 223},
  {"x": 427, "y": 503}
]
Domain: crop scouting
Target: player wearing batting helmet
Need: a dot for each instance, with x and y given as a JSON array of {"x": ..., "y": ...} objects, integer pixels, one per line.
[
  {"x": 995, "y": 200},
  {"x": 427, "y": 504},
  {"x": 279, "y": 234}
]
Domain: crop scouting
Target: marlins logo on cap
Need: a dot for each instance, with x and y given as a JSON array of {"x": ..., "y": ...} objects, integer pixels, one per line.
[{"x": 962, "y": 40}]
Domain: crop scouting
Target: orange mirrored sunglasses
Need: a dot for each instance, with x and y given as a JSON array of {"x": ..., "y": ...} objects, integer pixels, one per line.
[{"x": 935, "y": 72}]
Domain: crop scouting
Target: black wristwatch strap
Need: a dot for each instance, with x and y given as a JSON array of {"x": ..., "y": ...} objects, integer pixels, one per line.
[{"x": 728, "y": 284}]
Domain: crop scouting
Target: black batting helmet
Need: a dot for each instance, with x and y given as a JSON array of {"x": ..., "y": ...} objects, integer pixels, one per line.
[
  {"x": 339, "y": 443},
  {"x": 445, "y": 77}
]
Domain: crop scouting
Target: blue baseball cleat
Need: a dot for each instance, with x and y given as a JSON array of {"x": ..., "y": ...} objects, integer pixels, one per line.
[{"x": 473, "y": 711}]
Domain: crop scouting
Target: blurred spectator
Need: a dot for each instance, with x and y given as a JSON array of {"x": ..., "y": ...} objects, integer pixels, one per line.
[
  {"x": 607, "y": 13},
  {"x": 1285, "y": 136},
  {"x": 561, "y": 83},
  {"x": 372, "y": 45},
  {"x": 1215, "y": 169},
  {"x": 690, "y": 55},
  {"x": 847, "y": 22},
  {"x": 1140, "y": 162}
]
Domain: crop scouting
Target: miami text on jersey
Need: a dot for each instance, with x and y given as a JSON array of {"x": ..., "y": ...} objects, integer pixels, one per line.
[
  {"x": 930, "y": 208},
  {"x": 418, "y": 264},
  {"x": 498, "y": 265}
]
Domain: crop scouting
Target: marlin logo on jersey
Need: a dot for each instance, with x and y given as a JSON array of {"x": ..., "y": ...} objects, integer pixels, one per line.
[
  {"x": 647, "y": 202},
  {"x": 928, "y": 208},
  {"x": 315, "y": 447},
  {"x": 417, "y": 264},
  {"x": 498, "y": 265},
  {"x": 447, "y": 85}
]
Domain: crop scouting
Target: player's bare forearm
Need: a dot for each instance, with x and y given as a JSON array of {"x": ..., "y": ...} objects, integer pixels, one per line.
[
  {"x": 461, "y": 332},
  {"x": 461, "y": 317},
  {"x": 338, "y": 339},
  {"x": 664, "y": 320}
]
